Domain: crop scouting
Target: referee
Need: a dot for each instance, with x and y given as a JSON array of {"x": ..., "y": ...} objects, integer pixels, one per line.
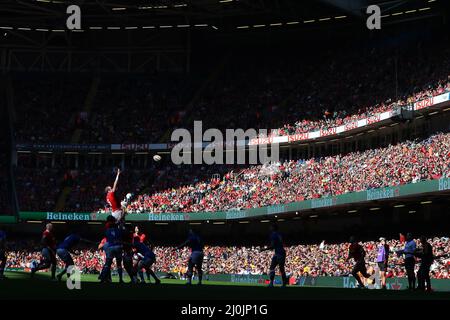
[{"x": 382, "y": 260}]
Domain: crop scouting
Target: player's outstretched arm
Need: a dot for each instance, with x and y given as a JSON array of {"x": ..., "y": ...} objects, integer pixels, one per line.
[{"x": 116, "y": 181}]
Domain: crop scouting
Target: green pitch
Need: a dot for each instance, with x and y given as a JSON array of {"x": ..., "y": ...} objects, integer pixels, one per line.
[{"x": 19, "y": 285}]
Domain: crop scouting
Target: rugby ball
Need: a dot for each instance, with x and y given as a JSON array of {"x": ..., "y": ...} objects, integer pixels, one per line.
[{"x": 157, "y": 157}]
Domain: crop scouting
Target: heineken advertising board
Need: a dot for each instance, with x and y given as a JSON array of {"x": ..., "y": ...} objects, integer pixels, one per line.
[{"x": 325, "y": 202}]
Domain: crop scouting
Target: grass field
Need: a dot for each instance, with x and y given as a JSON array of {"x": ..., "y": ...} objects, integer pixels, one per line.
[{"x": 19, "y": 285}]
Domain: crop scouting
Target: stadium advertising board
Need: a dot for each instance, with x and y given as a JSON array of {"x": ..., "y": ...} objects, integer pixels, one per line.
[
  {"x": 236, "y": 214},
  {"x": 383, "y": 193},
  {"x": 55, "y": 216},
  {"x": 139, "y": 147},
  {"x": 344, "y": 199},
  {"x": 323, "y": 202},
  {"x": 7, "y": 219},
  {"x": 444, "y": 184},
  {"x": 328, "y": 282},
  {"x": 55, "y": 147},
  {"x": 167, "y": 217}
]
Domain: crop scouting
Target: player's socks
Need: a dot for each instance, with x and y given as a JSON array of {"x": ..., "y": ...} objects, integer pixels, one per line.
[
  {"x": 141, "y": 275},
  {"x": 63, "y": 272},
  {"x": 2, "y": 273},
  {"x": 285, "y": 280},
  {"x": 60, "y": 275},
  {"x": 120, "y": 272},
  {"x": 152, "y": 273},
  {"x": 53, "y": 269},
  {"x": 271, "y": 277},
  {"x": 104, "y": 274}
]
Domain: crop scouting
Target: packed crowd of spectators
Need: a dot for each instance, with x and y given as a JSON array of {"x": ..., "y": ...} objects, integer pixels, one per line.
[
  {"x": 323, "y": 259},
  {"x": 263, "y": 94},
  {"x": 165, "y": 187},
  {"x": 39, "y": 186},
  {"x": 49, "y": 107},
  {"x": 290, "y": 181},
  {"x": 40, "y": 190},
  {"x": 320, "y": 90},
  {"x": 133, "y": 109}
]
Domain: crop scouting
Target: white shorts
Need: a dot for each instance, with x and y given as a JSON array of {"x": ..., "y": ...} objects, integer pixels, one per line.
[{"x": 118, "y": 215}]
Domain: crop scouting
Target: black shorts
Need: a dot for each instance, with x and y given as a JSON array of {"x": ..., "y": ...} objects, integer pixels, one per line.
[
  {"x": 360, "y": 267},
  {"x": 382, "y": 266},
  {"x": 410, "y": 263},
  {"x": 2, "y": 255},
  {"x": 278, "y": 260}
]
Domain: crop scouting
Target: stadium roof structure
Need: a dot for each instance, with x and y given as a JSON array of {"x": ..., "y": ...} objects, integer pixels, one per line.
[
  {"x": 134, "y": 33},
  {"x": 226, "y": 15}
]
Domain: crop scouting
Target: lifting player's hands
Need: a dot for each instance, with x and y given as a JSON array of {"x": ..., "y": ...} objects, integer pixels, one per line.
[{"x": 118, "y": 171}]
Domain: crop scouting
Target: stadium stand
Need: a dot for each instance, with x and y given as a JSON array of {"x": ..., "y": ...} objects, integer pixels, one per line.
[
  {"x": 327, "y": 259},
  {"x": 141, "y": 109},
  {"x": 290, "y": 181}
]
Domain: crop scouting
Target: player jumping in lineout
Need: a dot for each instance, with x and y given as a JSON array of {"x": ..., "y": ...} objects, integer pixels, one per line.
[
  {"x": 279, "y": 256},
  {"x": 112, "y": 200}
]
